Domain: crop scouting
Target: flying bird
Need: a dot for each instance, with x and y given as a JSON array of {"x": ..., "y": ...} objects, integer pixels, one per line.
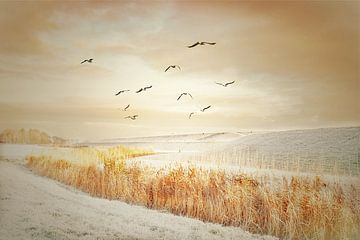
[
  {"x": 183, "y": 94},
  {"x": 172, "y": 66},
  {"x": 203, "y": 110},
  {"x": 87, "y": 60},
  {"x": 191, "y": 115},
  {"x": 201, "y": 43},
  {"x": 122, "y": 91},
  {"x": 143, "y": 89},
  {"x": 126, "y": 107},
  {"x": 226, "y": 84},
  {"x": 132, "y": 117}
]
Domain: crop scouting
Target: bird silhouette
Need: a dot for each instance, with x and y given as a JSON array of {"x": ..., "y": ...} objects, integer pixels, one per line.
[
  {"x": 172, "y": 66},
  {"x": 183, "y": 95},
  {"x": 121, "y": 91},
  {"x": 226, "y": 84},
  {"x": 87, "y": 60},
  {"x": 132, "y": 117},
  {"x": 201, "y": 43},
  {"x": 192, "y": 113},
  {"x": 126, "y": 107},
  {"x": 203, "y": 110},
  {"x": 143, "y": 89}
]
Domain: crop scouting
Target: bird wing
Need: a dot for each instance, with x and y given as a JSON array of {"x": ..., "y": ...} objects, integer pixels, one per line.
[
  {"x": 190, "y": 115},
  {"x": 90, "y": 60},
  {"x": 127, "y": 107},
  {"x": 139, "y": 90},
  {"x": 167, "y": 68},
  {"x": 147, "y": 87},
  {"x": 195, "y": 44},
  {"x": 229, "y": 83},
  {"x": 190, "y": 95},
  {"x": 211, "y": 43},
  {"x": 127, "y": 117},
  {"x": 180, "y": 96},
  {"x": 118, "y": 93},
  {"x": 178, "y": 67},
  {"x": 206, "y": 108},
  {"x": 219, "y": 84},
  {"x": 84, "y": 61}
]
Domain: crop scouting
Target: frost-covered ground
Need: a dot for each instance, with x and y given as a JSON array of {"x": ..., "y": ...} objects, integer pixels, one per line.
[
  {"x": 330, "y": 151},
  {"x": 327, "y": 150},
  {"x": 34, "y": 207},
  {"x": 176, "y": 143}
]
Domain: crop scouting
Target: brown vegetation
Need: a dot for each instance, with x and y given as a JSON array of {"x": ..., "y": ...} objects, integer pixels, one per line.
[{"x": 300, "y": 208}]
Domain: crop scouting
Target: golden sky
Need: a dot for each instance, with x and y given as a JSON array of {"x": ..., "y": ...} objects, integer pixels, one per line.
[{"x": 296, "y": 65}]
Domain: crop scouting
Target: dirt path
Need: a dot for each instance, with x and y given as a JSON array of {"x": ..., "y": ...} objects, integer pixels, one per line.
[{"x": 34, "y": 207}]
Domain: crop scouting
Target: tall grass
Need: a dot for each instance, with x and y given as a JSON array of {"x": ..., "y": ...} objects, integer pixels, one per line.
[
  {"x": 251, "y": 157},
  {"x": 300, "y": 208}
]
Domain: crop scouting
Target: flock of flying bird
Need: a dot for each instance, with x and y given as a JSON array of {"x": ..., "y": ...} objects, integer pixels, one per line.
[{"x": 133, "y": 117}]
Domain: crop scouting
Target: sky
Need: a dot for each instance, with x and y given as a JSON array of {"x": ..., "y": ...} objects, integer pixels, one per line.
[{"x": 295, "y": 65}]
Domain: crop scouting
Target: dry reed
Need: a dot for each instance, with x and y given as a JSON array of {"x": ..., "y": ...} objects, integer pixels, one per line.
[{"x": 300, "y": 208}]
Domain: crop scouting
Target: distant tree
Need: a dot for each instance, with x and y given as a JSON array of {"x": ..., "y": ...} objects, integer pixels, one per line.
[{"x": 31, "y": 136}]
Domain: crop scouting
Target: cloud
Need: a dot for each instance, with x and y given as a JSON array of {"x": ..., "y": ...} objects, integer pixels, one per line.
[
  {"x": 20, "y": 22},
  {"x": 295, "y": 64}
]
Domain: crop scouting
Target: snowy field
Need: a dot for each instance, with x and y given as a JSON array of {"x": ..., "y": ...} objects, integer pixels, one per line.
[
  {"x": 34, "y": 207},
  {"x": 330, "y": 151},
  {"x": 175, "y": 143},
  {"x": 333, "y": 151}
]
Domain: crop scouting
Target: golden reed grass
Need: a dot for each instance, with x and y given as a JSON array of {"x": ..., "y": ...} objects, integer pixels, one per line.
[{"x": 300, "y": 208}]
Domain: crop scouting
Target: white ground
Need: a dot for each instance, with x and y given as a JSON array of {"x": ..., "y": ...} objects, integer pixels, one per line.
[
  {"x": 35, "y": 207},
  {"x": 327, "y": 152},
  {"x": 334, "y": 151}
]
